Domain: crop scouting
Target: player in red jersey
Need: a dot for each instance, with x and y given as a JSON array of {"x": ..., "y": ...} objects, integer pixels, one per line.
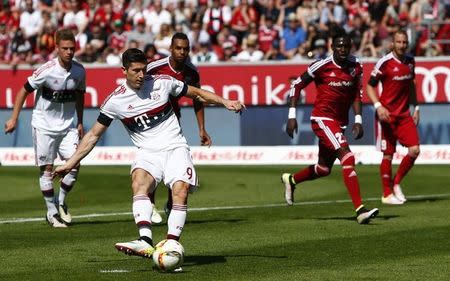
[
  {"x": 179, "y": 67},
  {"x": 338, "y": 82},
  {"x": 394, "y": 121}
]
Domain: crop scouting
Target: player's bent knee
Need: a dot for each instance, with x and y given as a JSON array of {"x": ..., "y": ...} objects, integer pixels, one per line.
[
  {"x": 322, "y": 171},
  {"x": 414, "y": 151}
]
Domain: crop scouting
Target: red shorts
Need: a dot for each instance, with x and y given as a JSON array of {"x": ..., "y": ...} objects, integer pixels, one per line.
[
  {"x": 401, "y": 128},
  {"x": 330, "y": 134}
]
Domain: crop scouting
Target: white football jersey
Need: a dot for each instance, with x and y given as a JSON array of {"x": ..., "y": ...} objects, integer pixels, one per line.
[
  {"x": 56, "y": 87},
  {"x": 147, "y": 113}
]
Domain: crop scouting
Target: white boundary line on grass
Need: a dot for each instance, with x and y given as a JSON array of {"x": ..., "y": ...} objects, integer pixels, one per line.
[{"x": 97, "y": 215}]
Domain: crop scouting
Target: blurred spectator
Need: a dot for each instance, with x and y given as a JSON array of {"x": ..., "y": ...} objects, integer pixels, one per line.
[
  {"x": 4, "y": 35},
  {"x": 89, "y": 55},
  {"x": 10, "y": 18},
  {"x": 293, "y": 37},
  {"x": 197, "y": 34},
  {"x": 432, "y": 10},
  {"x": 112, "y": 56},
  {"x": 333, "y": 13},
  {"x": 199, "y": 12},
  {"x": 4, "y": 57},
  {"x": 215, "y": 17},
  {"x": 163, "y": 39},
  {"x": 97, "y": 38},
  {"x": 274, "y": 52},
  {"x": 228, "y": 52},
  {"x": 267, "y": 34},
  {"x": 204, "y": 54},
  {"x": 42, "y": 56},
  {"x": 105, "y": 16},
  {"x": 250, "y": 53},
  {"x": 358, "y": 8},
  {"x": 46, "y": 40},
  {"x": 182, "y": 15},
  {"x": 30, "y": 22},
  {"x": 20, "y": 49},
  {"x": 90, "y": 8},
  {"x": 76, "y": 16},
  {"x": 225, "y": 35},
  {"x": 138, "y": 34},
  {"x": 270, "y": 10},
  {"x": 118, "y": 39},
  {"x": 307, "y": 13},
  {"x": 156, "y": 17},
  {"x": 356, "y": 31},
  {"x": 243, "y": 15},
  {"x": 152, "y": 53},
  {"x": 135, "y": 11},
  {"x": 370, "y": 43},
  {"x": 320, "y": 49},
  {"x": 252, "y": 35},
  {"x": 377, "y": 9},
  {"x": 285, "y": 12},
  {"x": 391, "y": 17},
  {"x": 430, "y": 43}
]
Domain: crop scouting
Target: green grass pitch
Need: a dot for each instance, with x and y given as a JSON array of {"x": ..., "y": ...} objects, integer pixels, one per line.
[{"x": 238, "y": 228}]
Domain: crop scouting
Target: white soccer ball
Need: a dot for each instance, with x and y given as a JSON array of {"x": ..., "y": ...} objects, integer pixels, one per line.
[{"x": 168, "y": 255}]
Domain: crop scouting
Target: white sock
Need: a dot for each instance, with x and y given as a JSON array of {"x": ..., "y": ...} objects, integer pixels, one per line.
[
  {"x": 46, "y": 186},
  {"x": 66, "y": 185},
  {"x": 176, "y": 220},
  {"x": 142, "y": 211}
]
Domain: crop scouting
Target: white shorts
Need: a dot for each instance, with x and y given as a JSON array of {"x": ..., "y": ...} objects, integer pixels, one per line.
[
  {"x": 169, "y": 166},
  {"x": 47, "y": 147}
]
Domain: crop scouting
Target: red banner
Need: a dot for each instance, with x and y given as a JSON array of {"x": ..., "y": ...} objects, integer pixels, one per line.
[{"x": 261, "y": 84}]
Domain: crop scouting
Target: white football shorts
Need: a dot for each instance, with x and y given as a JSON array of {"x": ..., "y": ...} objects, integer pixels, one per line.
[
  {"x": 47, "y": 147},
  {"x": 169, "y": 166}
]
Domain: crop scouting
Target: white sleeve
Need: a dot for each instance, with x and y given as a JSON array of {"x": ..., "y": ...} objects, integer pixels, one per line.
[
  {"x": 178, "y": 88},
  {"x": 38, "y": 78}
]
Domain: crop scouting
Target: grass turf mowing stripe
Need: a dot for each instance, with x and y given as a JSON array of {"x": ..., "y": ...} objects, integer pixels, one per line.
[{"x": 201, "y": 209}]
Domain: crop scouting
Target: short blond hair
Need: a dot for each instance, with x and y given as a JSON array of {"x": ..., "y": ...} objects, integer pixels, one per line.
[{"x": 64, "y": 34}]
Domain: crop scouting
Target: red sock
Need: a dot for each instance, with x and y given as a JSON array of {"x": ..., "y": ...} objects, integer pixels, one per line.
[
  {"x": 386, "y": 176},
  {"x": 311, "y": 173},
  {"x": 406, "y": 165},
  {"x": 351, "y": 178}
]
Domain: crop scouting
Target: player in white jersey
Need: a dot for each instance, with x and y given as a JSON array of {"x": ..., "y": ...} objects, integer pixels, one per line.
[
  {"x": 60, "y": 85},
  {"x": 142, "y": 105}
]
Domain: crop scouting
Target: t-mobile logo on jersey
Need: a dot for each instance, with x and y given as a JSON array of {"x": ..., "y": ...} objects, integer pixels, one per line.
[{"x": 144, "y": 121}]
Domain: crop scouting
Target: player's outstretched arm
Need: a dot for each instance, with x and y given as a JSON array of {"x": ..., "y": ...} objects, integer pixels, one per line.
[
  {"x": 10, "y": 124},
  {"x": 86, "y": 145},
  {"x": 199, "y": 109},
  {"x": 211, "y": 98}
]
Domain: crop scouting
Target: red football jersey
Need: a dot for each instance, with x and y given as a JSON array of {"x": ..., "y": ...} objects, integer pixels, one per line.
[
  {"x": 337, "y": 87},
  {"x": 189, "y": 74},
  {"x": 396, "y": 77}
]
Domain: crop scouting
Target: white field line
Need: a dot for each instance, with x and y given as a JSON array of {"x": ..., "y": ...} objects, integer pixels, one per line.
[
  {"x": 114, "y": 271},
  {"x": 202, "y": 209}
]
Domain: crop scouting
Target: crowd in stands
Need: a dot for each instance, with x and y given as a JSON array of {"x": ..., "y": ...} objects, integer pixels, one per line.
[{"x": 219, "y": 30}]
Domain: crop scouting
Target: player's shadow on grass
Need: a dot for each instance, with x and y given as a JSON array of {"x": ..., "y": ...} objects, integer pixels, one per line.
[
  {"x": 204, "y": 260},
  {"x": 428, "y": 199},
  {"x": 383, "y": 217},
  {"x": 214, "y": 221}
]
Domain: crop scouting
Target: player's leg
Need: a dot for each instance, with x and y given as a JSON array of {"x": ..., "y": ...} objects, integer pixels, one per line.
[
  {"x": 181, "y": 177},
  {"x": 386, "y": 141},
  {"x": 67, "y": 146},
  {"x": 409, "y": 137},
  {"x": 312, "y": 172},
  {"x": 146, "y": 172},
  {"x": 347, "y": 159},
  {"x": 45, "y": 154},
  {"x": 142, "y": 183}
]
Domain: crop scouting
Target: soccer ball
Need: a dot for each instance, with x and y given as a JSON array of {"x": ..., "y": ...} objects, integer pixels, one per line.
[{"x": 168, "y": 255}]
